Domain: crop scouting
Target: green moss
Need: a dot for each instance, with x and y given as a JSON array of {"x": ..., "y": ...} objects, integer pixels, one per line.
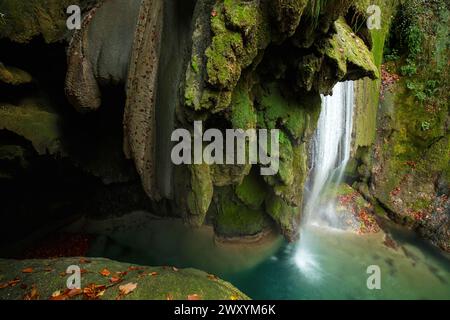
[
  {"x": 243, "y": 115},
  {"x": 241, "y": 15},
  {"x": 25, "y": 20},
  {"x": 215, "y": 100},
  {"x": 35, "y": 124},
  {"x": 195, "y": 64},
  {"x": 200, "y": 196},
  {"x": 239, "y": 31},
  {"x": 286, "y": 160},
  {"x": 288, "y": 15},
  {"x": 225, "y": 174},
  {"x": 286, "y": 216},
  {"x": 49, "y": 276},
  {"x": 236, "y": 219},
  {"x": 14, "y": 76},
  {"x": 295, "y": 115},
  {"x": 252, "y": 191},
  {"x": 292, "y": 192},
  {"x": 346, "y": 49},
  {"x": 223, "y": 65}
]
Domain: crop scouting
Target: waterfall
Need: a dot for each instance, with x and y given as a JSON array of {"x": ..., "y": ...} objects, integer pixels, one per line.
[{"x": 330, "y": 151}]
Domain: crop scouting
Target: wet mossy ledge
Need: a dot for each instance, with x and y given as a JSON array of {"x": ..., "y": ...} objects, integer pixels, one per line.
[{"x": 104, "y": 279}]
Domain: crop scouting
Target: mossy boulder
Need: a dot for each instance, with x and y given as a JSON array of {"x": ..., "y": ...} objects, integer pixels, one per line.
[
  {"x": 278, "y": 107},
  {"x": 102, "y": 278},
  {"x": 252, "y": 191},
  {"x": 287, "y": 217},
  {"x": 14, "y": 76},
  {"x": 201, "y": 193},
  {"x": 349, "y": 56},
  {"x": 232, "y": 218},
  {"x": 36, "y": 123},
  {"x": 24, "y": 20}
]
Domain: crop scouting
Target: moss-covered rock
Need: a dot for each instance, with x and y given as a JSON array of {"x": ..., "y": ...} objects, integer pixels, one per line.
[
  {"x": 14, "y": 76},
  {"x": 349, "y": 55},
  {"x": 35, "y": 123},
  {"x": 252, "y": 191},
  {"x": 201, "y": 193},
  {"x": 297, "y": 116},
  {"x": 287, "y": 217},
  {"x": 234, "y": 219},
  {"x": 46, "y": 279},
  {"x": 24, "y": 20},
  {"x": 287, "y": 15}
]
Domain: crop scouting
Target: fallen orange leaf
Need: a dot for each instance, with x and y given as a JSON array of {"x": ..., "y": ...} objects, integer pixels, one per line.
[
  {"x": 105, "y": 272},
  {"x": 169, "y": 296},
  {"x": 114, "y": 279},
  {"x": 153, "y": 273},
  {"x": 127, "y": 288},
  {"x": 194, "y": 297},
  {"x": 32, "y": 295},
  {"x": 94, "y": 291},
  {"x": 73, "y": 292},
  {"x": 12, "y": 283},
  {"x": 27, "y": 270}
]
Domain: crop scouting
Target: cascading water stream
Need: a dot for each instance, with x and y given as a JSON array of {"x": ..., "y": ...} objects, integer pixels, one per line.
[{"x": 330, "y": 152}]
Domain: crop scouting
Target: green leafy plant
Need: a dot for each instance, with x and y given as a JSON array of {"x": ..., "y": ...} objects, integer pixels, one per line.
[{"x": 425, "y": 126}]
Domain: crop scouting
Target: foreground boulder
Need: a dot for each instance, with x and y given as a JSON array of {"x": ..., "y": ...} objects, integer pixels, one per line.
[{"x": 108, "y": 280}]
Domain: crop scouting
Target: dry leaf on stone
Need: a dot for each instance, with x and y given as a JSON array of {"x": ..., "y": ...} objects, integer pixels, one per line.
[
  {"x": 32, "y": 295},
  {"x": 93, "y": 291},
  {"x": 114, "y": 279},
  {"x": 127, "y": 288},
  {"x": 105, "y": 272},
  {"x": 194, "y": 297}
]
